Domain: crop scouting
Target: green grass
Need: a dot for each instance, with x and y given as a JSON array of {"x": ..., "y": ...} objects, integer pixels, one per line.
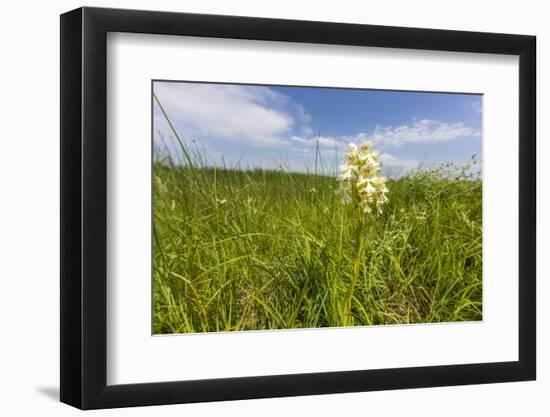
[{"x": 251, "y": 250}]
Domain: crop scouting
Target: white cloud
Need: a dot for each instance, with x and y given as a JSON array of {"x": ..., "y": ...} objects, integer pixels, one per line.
[
  {"x": 323, "y": 141},
  {"x": 422, "y": 131},
  {"x": 477, "y": 106},
  {"x": 227, "y": 112},
  {"x": 301, "y": 150},
  {"x": 302, "y": 140},
  {"x": 414, "y": 132},
  {"x": 389, "y": 160}
]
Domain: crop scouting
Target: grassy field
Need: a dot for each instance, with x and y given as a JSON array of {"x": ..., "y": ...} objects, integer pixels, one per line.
[{"x": 251, "y": 250}]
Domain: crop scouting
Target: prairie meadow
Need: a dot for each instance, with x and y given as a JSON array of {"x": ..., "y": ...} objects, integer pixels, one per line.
[{"x": 239, "y": 247}]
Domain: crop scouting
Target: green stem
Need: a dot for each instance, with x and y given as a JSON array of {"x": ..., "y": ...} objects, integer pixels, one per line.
[
  {"x": 181, "y": 143},
  {"x": 356, "y": 268}
]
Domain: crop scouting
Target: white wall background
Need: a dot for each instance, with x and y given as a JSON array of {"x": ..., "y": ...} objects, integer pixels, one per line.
[{"x": 29, "y": 225}]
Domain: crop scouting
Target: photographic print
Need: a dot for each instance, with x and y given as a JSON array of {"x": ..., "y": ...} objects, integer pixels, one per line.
[{"x": 292, "y": 207}]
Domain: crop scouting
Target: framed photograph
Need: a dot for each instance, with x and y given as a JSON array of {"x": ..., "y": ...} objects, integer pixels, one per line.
[{"x": 257, "y": 208}]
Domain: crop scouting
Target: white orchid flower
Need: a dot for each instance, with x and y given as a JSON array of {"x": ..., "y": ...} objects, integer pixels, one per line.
[{"x": 360, "y": 179}]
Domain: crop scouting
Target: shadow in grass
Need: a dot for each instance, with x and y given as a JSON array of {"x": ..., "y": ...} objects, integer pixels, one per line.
[{"x": 50, "y": 392}]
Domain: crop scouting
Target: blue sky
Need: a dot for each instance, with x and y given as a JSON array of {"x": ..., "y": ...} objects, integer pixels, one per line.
[{"x": 249, "y": 126}]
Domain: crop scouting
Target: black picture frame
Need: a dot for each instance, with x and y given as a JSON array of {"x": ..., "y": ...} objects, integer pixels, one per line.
[{"x": 84, "y": 207}]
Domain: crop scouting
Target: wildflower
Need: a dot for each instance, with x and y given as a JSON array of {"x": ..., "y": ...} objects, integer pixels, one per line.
[
  {"x": 361, "y": 185},
  {"x": 360, "y": 179},
  {"x": 221, "y": 201},
  {"x": 347, "y": 172}
]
